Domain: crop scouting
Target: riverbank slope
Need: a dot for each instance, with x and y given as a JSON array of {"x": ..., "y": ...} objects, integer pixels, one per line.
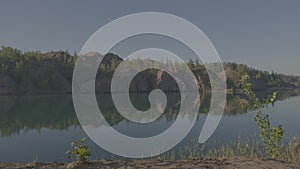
[{"x": 222, "y": 163}]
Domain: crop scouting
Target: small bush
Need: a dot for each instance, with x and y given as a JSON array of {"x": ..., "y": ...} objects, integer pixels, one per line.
[{"x": 79, "y": 151}]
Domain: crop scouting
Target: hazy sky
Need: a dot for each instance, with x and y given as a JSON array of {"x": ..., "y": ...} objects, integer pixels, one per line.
[{"x": 264, "y": 34}]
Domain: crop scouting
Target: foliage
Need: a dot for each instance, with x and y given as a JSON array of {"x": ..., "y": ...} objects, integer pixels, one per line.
[
  {"x": 247, "y": 147},
  {"x": 34, "y": 72},
  {"x": 271, "y": 136},
  {"x": 78, "y": 150}
]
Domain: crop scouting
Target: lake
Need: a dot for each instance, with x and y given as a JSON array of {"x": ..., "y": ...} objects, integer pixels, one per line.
[{"x": 42, "y": 127}]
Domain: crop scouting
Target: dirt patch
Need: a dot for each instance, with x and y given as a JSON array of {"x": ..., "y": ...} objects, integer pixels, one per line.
[{"x": 203, "y": 163}]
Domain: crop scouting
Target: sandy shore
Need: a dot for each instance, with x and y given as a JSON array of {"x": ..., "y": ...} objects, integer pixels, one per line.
[{"x": 204, "y": 163}]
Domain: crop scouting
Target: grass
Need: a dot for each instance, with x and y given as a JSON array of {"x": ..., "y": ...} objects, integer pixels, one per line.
[
  {"x": 291, "y": 151},
  {"x": 245, "y": 148},
  {"x": 250, "y": 148}
]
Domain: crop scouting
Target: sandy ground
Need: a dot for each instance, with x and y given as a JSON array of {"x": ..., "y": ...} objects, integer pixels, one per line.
[{"x": 204, "y": 163}]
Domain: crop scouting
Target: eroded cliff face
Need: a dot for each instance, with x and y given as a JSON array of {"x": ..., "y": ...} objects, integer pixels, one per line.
[
  {"x": 40, "y": 79},
  {"x": 144, "y": 81},
  {"x": 53, "y": 74},
  {"x": 7, "y": 85}
]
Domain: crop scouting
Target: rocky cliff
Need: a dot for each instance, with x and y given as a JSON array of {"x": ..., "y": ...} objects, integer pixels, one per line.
[{"x": 52, "y": 73}]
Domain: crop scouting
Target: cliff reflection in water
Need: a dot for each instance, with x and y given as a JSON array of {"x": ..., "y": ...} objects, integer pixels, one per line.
[{"x": 23, "y": 113}]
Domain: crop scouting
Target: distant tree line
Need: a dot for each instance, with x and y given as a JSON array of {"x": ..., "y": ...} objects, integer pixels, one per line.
[{"x": 53, "y": 70}]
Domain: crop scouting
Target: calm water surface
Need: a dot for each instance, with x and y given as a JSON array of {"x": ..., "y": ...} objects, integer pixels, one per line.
[{"x": 42, "y": 127}]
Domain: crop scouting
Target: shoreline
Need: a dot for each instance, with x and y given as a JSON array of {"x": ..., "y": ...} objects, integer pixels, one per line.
[
  {"x": 228, "y": 91},
  {"x": 215, "y": 163}
]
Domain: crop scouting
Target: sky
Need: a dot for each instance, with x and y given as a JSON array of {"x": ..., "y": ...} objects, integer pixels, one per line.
[{"x": 263, "y": 34}]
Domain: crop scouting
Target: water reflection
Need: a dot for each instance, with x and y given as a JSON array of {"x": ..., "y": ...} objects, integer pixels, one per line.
[{"x": 23, "y": 113}]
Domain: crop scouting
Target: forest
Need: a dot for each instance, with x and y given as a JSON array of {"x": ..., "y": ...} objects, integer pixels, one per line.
[{"x": 31, "y": 72}]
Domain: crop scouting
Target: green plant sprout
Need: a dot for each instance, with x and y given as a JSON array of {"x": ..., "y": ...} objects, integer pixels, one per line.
[{"x": 79, "y": 151}]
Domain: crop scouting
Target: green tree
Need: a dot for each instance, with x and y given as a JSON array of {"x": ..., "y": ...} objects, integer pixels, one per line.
[
  {"x": 114, "y": 63},
  {"x": 271, "y": 136},
  {"x": 191, "y": 64},
  {"x": 197, "y": 65}
]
